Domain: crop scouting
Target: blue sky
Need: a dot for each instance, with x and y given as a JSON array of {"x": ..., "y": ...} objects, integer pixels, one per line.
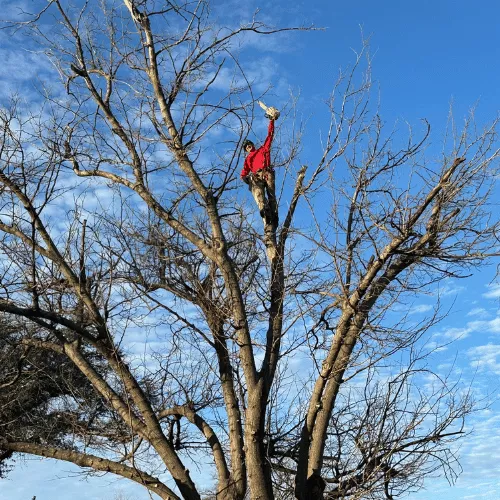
[{"x": 426, "y": 55}]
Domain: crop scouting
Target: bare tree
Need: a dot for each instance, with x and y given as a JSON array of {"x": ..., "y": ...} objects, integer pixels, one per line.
[{"x": 171, "y": 253}]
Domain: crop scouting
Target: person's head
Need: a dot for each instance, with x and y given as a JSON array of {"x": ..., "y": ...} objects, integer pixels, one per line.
[{"x": 248, "y": 146}]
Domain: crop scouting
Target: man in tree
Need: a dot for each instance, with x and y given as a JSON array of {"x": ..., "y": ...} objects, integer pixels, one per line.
[{"x": 258, "y": 173}]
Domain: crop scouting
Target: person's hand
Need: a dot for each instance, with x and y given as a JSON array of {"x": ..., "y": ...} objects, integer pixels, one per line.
[{"x": 272, "y": 113}]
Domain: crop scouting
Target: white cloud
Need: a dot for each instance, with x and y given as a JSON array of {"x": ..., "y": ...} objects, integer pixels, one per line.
[
  {"x": 478, "y": 311},
  {"x": 447, "y": 289},
  {"x": 456, "y": 333},
  {"x": 445, "y": 366},
  {"x": 491, "y": 326},
  {"x": 421, "y": 308},
  {"x": 494, "y": 291},
  {"x": 485, "y": 358},
  {"x": 485, "y": 327}
]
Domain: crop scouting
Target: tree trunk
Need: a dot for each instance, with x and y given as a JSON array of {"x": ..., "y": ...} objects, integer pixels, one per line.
[{"x": 259, "y": 471}]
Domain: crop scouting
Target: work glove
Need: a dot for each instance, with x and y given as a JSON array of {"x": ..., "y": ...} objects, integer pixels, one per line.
[{"x": 271, "y": 112}]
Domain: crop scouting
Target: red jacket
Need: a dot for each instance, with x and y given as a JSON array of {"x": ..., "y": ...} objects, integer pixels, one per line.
[{"x": 260, "y": 158}]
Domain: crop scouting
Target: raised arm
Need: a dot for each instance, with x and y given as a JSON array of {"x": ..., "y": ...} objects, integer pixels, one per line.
[{"x": 270, "y": 134}]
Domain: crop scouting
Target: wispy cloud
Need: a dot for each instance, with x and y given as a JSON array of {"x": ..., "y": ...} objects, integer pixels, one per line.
[
  {"x": 485, "y": 358},
  {"x": 478, "y": 311},
  {"x": 491, "y": 326},
  {"x": 493, "y": 291},
  {"x": 420, "y": 308},
  {"x": 479, "y": 457},
  {"x": 448, "y": 288},
  {"x": 456, "y": 333},
  {"x": 479, "y": 326}
]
